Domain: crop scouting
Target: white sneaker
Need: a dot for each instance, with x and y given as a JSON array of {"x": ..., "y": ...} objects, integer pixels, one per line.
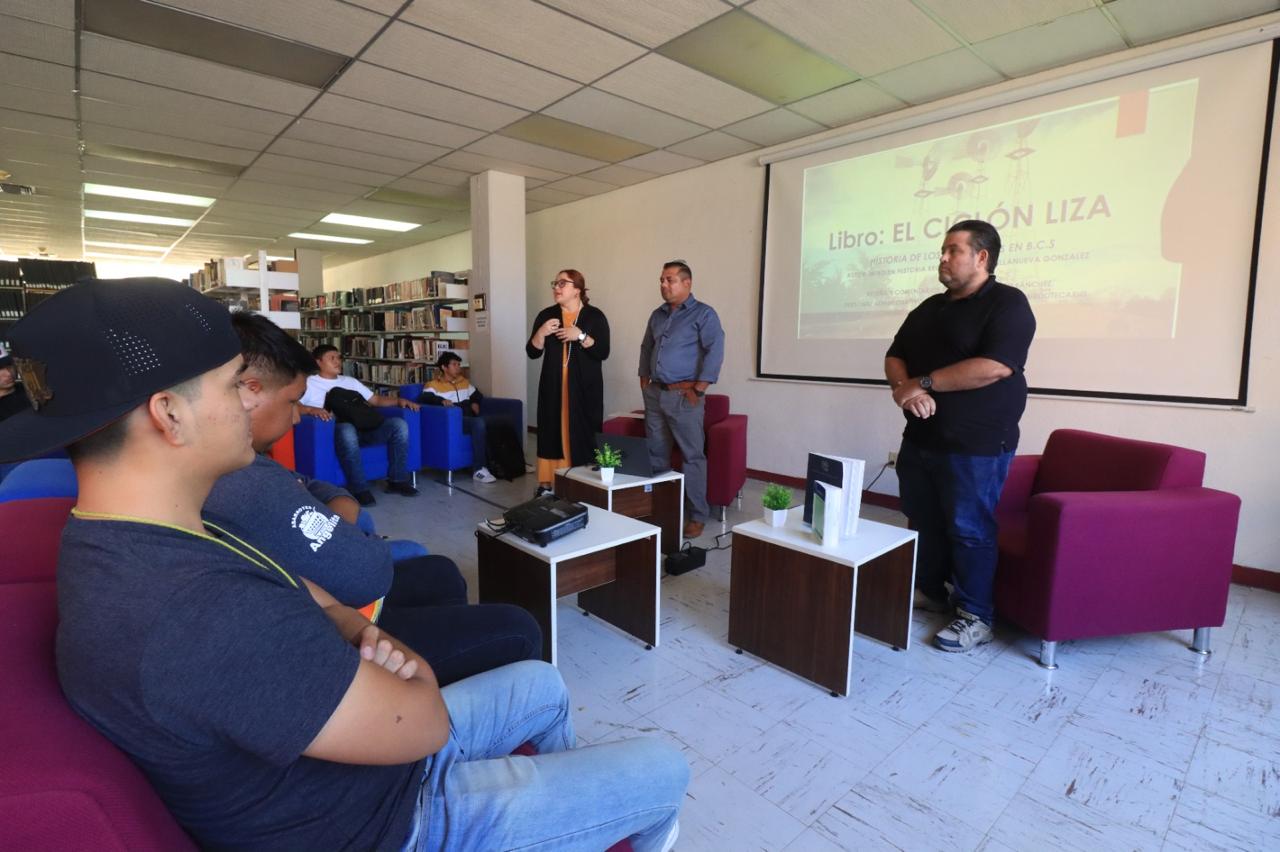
[
  {"x": 963, "y": 634},
  {"x": 483, "y": 475}
]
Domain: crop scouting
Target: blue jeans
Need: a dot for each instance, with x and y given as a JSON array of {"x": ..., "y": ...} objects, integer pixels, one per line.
[
  {"x": 476, "y": 795},
  {"x": 347, "y": 441},
  {"x": 950, "y": 499},
  {"x": 476, "y": 427}
]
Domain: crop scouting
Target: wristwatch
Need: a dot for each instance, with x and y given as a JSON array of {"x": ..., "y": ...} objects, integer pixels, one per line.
[
  {"x": 926, "y": 382},
  {"x": 582, "y": 335}
]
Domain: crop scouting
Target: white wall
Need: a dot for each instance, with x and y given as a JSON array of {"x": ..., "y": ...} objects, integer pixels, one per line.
[{"x": 711, "y": 217}]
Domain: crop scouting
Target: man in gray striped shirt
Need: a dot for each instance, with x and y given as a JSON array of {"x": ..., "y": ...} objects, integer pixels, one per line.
[{"x": 680, "y": 357}]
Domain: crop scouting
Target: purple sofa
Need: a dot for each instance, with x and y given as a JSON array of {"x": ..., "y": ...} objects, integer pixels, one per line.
[
  {"x": 63, "y": 786},
  {"x": 1101, "y": 536}
]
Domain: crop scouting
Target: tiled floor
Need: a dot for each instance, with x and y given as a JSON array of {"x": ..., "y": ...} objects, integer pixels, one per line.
[{"x": 1134, "y": 743}]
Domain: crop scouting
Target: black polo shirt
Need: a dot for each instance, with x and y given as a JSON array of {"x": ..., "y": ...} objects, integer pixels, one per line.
[{"x": 997, "y": 323}]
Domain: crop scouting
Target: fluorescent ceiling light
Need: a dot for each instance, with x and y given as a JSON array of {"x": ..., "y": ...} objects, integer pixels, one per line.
[
  {"x": 368, "y": 222},
  {"x": 328, "y": 239},
  {"x": 280, "y": 257},
  {"x": 128, "y": 246},
  {"x": 133, "y": 257},
  {"x": 138, "y": 217},
  {"x": 147, "y": 195}
]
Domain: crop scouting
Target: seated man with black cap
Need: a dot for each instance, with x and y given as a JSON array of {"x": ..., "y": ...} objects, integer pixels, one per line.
[
  {"x": 308, "y": 526},
  {"x": 265, "y": 713}
]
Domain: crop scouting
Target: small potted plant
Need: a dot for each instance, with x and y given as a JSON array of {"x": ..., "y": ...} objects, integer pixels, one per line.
[
  {"x": 608, "y": 459},
  {"x": 776, "y": 500}
]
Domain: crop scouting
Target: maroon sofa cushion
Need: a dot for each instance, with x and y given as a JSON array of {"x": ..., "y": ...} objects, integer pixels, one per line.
[
  {"x": 31, "y": 530},
  {"x": 1075, "y": 460},
  {"x": 62, "y": 784}
]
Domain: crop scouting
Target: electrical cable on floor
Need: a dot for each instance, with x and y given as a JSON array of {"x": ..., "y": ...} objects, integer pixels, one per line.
[{"x": 878, "y": 475}]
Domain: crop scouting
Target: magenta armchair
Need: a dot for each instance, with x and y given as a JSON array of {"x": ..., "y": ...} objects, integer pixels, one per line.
[
  {"x": 726, "y": 448},
  {"x": 1102, "y": 536}
]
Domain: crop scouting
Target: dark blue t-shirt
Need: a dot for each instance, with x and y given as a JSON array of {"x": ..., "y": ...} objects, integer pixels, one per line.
[
  {"x": 214, "y": 675},
  {"x": 997, "y": 323},
  {"x": 283, "y": 514}
]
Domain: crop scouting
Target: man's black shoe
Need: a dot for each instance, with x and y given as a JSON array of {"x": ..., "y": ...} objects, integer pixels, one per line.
[
  {"x": 365, "y": 498},
  {"x": 404, "y": 489}
]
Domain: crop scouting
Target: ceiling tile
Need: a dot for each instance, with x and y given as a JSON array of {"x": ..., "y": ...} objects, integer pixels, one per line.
[
  {"x": 362, "y": 140},
  {"x": 336, "y": 109},
  {"x": 658, "y": 162},
  {"x": 197, "y": 183},
  {"x": 551, "y": 196},
  {"x": 37, "y": 40},
  {"x": 342, "y": 156},
  {"x": 274, "y": 193},
  {"x": 591, "y": 107},
  {"x": 189, "y": 74},
  {"x": 248, "y": 210},
  {"x": 651, "y": 23},
  {"x": 680, "y": 90},
  {"x": 431, "y": 189},
  {"x": 476, "y": 163},
  {"x": 381, "y": 210},
  {"x": 579, "y": 185},
  {"x": 781, "y": 125},
  {"x": 324, "y": 23},
  {"x": 413, "y": 94},
  {"x": 1145, "y": 21},
  {"x": 151, "y": 120},
  {"x": 529, "y": 32},
  {"x": 61, "y": 104},
  {"x": 43, "y": 125},
  {"x": 574, "y": 138},
  {"x": 386, "y": 7},
  {"x": 937, "y": 77},
  {"x": 867, "y": 37},
  {"x": 714, "y": 146},
  {"x": 201, "y": 109},
  {"x": 317, "y": 169},
  {"x": 979, "y": 20},
  {"x": 746, "y": 52},
  {"x": 34, "y": 74},
  {"x": 332, "y": 184},
  {"x": 148, "y": 141},
  {"x": 847, "y": 104},
  {"x": 60, "y": 13},
  {"x": 404, "y": 47},
  {"x": 1059, "y": 42},
  {"x": 535, "y": 155},
  {"x": 441, "y": 175}
]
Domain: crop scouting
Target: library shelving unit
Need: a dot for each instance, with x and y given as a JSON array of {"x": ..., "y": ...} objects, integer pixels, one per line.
[
  {"x": 28, "y": 281},
  {"x": 253, "y": 283},
  {"x": 391, "y": 335}
]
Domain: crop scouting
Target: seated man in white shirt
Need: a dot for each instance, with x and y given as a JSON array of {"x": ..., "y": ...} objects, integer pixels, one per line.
[{"x": 348, "y": 440}]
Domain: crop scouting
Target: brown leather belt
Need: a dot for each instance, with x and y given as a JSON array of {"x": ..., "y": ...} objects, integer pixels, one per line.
[{"x": 676, "y": 385}]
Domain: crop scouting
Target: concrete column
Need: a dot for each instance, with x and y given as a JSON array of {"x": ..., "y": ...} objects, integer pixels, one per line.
[
  {"x": 498, "y": 333},
  {"x": 310, "y": 271}
]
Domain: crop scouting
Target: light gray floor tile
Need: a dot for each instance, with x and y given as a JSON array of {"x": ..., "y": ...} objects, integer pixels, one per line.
[
  {"x": 1205, "y": 823},
  {"x": 711, "y": 722},
  {"x": 1245, "y": 778},
  {"x": 1044, "y": 820},
  {"x": 879, "y": 815},
  {"x": 723, "y": 813}
]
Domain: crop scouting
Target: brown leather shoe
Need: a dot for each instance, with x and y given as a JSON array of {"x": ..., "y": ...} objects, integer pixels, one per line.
[{"x": 693, "y": 529}]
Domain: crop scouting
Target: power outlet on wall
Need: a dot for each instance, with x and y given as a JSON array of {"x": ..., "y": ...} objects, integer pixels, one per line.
[{"x": 893, "y": 459}]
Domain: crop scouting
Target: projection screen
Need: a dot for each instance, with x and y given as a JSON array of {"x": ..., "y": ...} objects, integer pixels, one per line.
[{"x": 1129, "y": 212}]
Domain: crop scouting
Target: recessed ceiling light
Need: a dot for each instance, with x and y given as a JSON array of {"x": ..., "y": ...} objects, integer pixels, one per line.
[
  {"x": 368, "y": 222},
  {"x": 128, "y": 246},
  {"x": 108, "y": 256},
  {"x": 147, "y": 195},
  {"x": 328, "y": 239},
  {"x": 138, "y": 217},
  {"x": 280, "y": 257}
]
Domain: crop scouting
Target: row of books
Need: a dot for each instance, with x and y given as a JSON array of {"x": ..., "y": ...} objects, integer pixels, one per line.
[
  {"x": 318, "y": 323},
  {"x": 10, "y": 273},
  {"x": 11, "y": 303},
  {"x": 62, "y": 273},
  {"x": 387, "y": 374},
  {"x": 425, "y": 318},
  {"x": 406, "y": 348},
  {"x": 435, "y": 286}
]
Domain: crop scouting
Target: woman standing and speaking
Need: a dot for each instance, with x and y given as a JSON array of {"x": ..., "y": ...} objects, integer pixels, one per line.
[{"x": 572, "y": 338}]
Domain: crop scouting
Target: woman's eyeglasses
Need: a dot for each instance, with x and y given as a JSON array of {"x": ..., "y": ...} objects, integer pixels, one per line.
[{"x": 557, "y": 284}]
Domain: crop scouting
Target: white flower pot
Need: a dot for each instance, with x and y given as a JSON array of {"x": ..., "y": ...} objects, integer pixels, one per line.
[
  {"x": 776, "y": 517},
  {"x": 606, "y": 475}
]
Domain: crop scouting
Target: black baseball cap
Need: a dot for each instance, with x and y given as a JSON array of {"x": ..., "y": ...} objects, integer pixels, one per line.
[{"x": 97, "y": 350}]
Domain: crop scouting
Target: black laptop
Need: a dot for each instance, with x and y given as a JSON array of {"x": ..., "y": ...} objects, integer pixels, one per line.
[{"x": 635, "y": 453}]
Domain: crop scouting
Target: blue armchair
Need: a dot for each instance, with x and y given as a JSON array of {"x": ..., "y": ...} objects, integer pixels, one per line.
[
  {"x": 444, "y": 445},
  {"x": 315, "y": 456}
]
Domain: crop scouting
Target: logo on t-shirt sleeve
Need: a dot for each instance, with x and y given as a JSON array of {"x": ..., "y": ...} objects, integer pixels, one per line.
[{"x": 313, "y": 524}]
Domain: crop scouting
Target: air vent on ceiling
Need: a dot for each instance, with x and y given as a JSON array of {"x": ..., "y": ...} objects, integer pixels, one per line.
[{"x": 17, "y": 189}]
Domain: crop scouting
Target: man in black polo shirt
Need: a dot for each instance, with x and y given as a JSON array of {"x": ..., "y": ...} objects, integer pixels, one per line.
[{"x": 956, "y": 370}]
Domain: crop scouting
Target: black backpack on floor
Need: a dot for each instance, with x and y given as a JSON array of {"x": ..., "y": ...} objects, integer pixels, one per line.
[{"x": 504, "y": 448}]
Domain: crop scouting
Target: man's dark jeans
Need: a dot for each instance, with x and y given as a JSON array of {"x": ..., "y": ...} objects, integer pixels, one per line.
[
  {"x": 347, "y": 441},
  {"x": 950, "y": 499}
]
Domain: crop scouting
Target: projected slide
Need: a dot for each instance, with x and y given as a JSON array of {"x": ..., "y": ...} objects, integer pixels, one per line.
[
  {"x": 1128, "y": 207},
  {"x": 1069, "y": 191}
]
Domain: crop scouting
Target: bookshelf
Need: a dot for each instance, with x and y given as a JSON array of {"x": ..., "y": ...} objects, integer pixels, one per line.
[
  {"x": 391, "y": 335},
  {"x": 255, "y": 284},
  {"x": 27, "y": 282}
]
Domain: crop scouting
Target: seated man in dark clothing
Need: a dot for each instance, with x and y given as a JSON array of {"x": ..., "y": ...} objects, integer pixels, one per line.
[
  {"x": 308, "y": 526},
  {"x": 266, "y": 714},
  {"x": 451, "y": 388}
]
